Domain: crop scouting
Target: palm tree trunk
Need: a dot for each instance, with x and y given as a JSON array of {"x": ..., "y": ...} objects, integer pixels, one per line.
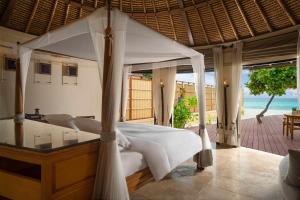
[{"x": 260, "y": 115}]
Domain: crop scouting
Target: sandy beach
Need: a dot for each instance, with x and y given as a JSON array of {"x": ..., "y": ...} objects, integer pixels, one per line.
[{"x": 251, "y": 113}]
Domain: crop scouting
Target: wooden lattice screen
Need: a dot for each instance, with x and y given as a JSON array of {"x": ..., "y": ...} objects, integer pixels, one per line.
[{"x": 140, "y": 104}]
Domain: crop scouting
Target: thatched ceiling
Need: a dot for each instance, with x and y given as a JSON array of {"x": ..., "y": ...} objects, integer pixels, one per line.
[{"x": 191, "y": 22}]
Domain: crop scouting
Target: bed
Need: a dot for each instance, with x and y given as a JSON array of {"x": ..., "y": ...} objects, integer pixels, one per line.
[{"x": 163, "y": 148}]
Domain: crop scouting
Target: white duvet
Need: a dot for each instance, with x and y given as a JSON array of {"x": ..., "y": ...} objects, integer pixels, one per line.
[{"x": 163, "y": 148}]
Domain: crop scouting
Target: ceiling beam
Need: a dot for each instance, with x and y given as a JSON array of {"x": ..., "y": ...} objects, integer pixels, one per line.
[
  {"x": 5, "y": 16},
  {"x": 145, "y": 12},
  {"x": 52, "y": 15},
  {"x": 32, "y": 15},
  {"x": 260, "y": 9},
  {"x": 67, "y": 14},
  {"x": 154, "y": 9},
  {"x": 121, "y": 5},
  {"x": 283, "y": 7},
  {"x": 229, "y": 20},
  {"x": 171, "y": 20},
  {"x": 244, "y": 17},
  {"x": 81, "y": 9},
  {"x": 186, "y": 23},
  {"x": 215, "y": 21},
  {"x": 95, "y": 3},
  {"x": 201, "y": 23}
]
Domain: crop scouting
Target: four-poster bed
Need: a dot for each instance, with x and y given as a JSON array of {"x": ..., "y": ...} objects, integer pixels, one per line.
[{"x": 115, "y": 40}]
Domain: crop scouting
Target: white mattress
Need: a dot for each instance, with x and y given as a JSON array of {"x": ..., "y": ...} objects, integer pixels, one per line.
[{"x": 132, "y": 162}]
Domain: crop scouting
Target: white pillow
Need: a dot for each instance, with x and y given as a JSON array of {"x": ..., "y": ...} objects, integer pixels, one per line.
[
  {"x": 63, "y": 120},
  {"x": 122, "y": 140},
  {"x": 88, "y": 125},
  {"x": 94, "y": 126}
]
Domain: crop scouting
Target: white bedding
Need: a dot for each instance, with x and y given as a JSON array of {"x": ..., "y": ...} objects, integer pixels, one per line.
[
  {"x": 163, "y": 148},
  {"x": 132, "y": 162}
]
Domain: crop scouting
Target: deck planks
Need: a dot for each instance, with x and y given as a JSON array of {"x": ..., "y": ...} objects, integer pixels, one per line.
[{"x": 266, "y": 137}]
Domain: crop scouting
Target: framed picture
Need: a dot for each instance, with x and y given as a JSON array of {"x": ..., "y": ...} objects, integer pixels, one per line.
[
  {"x": 42, "y": 72},
  {"x": 43, "y": 68},
  {"x": 70, "y": 74},
  {"x": 70, "y": 70},
  {"x": 10, "y": 64}
]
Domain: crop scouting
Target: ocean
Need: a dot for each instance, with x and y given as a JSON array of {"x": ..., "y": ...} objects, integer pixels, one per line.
[{"x": 277, "y": 103}]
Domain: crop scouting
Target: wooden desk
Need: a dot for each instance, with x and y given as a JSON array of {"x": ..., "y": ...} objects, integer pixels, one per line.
[
  {"x": 291, "y": 121},
  {"x": 42, "y": 161}
]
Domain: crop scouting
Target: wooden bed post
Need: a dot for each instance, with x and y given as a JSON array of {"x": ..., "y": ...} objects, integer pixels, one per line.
[
  {"x": 18, "y": 91},
  {"x": 18, "y": 104}
]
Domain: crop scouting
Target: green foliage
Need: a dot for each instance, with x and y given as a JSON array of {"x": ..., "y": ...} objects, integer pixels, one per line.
[
  {"x": 147, "y": 76},
  {"x": 273, "y": 81},
  {"x": 210, "y": 119},
  {"x": 192, "y": 101},
  {"x": 182, "y": 113}
]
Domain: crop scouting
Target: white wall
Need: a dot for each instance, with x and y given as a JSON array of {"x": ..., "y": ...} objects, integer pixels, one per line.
[{"x": 54, "y": 97}]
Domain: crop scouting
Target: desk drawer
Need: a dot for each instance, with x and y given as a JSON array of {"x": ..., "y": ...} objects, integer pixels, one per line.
[{"x": 16, "y": 186}]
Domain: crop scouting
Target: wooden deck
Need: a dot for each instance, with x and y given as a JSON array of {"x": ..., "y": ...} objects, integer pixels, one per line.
[{"x": 264, "y": 137}]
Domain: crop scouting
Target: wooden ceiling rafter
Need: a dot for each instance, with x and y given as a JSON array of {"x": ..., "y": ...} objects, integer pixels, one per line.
[
  {"x": 52, "y": 15},
  {"x": 284, "y": 8},
  {"x": 156, "y": 20},
  {"x": 121, "y": 5},
  {"x": 36, "y": 4},
  {"x": 263, "y": 15},
  {"x": 171, "y": 20},
  {"x": 145, "y": 12},
  {"x": 201, "y": 23},
  {"x": 131, "y": 8},
  {"x": 244, "y": 17},
  {"x": 215, "y": 21},
  {"x": 186, "y": 23},
  {"x": 5, "y": 16},
  {"x": 81, "y": 9},
  {"x": 229, "y": 20},
  {"x": 67, "y": 13}
]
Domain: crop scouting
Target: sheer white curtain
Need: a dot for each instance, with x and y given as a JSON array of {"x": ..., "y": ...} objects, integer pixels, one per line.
[
  {"x": 110, "y": 182},
  {"x": 218, "y": 68},
  {"x": 24, "y": 55},
  {"x": 125, "y": 87},
  {"x": 236, "y": 74},
  {"x": 166, "y": 78},
  {"x": 204, "y": 158},
  {"x": 298, "y": 68}
]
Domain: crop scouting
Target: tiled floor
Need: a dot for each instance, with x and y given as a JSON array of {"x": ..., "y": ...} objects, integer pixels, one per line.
[{"x": 238, "y": 173}]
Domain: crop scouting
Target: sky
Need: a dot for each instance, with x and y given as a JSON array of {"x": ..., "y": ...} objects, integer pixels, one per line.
[{"x": 210, "y": 80}]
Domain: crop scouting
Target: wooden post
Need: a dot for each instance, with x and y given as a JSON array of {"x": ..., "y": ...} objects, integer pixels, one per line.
[{"x": 18, "y": 92}]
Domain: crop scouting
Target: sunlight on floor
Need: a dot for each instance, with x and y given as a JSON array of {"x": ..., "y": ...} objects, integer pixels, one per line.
[{"x": 238, "y": 173}]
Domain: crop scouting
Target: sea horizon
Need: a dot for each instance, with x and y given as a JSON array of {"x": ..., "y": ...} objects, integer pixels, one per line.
[{"x": 278, "y": 103}]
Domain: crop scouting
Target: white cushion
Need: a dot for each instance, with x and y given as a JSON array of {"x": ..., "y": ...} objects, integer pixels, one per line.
[
  {"x": 63, "y": 120},
  {"x": 94, "y": 126}
]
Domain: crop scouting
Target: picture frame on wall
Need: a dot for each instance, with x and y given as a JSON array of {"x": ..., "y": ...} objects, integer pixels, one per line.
[
  {"x": 10, "y": 63},
  {"x": 69, "y": 74},
  {"x": 42, "y": 72}
]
